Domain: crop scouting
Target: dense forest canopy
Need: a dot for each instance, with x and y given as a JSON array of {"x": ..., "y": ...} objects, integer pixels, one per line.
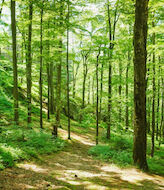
[{"x": 78, "y": 65}]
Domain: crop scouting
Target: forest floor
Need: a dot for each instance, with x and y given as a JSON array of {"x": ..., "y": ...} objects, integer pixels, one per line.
[{"x": 73, "y": 168}]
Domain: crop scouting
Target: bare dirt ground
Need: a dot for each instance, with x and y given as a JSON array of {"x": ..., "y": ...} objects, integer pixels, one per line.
[{"x": 74, "y": 169}]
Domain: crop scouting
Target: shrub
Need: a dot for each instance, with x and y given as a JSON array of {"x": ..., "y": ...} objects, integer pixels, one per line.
[{"x": 19, "y": 145}]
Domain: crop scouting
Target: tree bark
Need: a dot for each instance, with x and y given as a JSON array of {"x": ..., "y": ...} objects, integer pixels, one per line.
[
  {"x": 158, "y": 104},
  {"x": 101, "y": 84},
  {"x": 120, "y": 90},
  {"x": 93, "y": 92},
  {"x": 153, "y": 103},
  {"x": 41, "y": 68},
  {"x": 29, "y": 64},
  {"x": 15, "y": 73},
  {"x": 97, "y": 97},
  {"x": 110, "y": 55},
  {"x": 48, "y": 75},
  {"x": 127, "y": 92},
  {"x": 68, "y": 100},
  {"x": 140, "y": 57},
  {"x": 59, "y": 69}
]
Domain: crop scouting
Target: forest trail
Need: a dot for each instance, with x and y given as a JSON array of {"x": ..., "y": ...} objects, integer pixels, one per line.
[{"x": 74, "y": 169}]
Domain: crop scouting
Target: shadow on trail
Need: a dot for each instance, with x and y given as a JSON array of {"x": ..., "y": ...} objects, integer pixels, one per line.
[{"x": 74, "y": 169}]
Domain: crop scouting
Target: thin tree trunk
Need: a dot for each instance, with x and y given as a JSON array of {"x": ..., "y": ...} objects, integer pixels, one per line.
[
  {"x": 120, "y": 90},
  {"x": 127, "y": 92},
  {"x": 52, "y": 109},
  {"x": 41, "y": 68},
  {"x": 158, "y": 102},
  {"x": 149, "y": 98},
  {"x": 110, "y": 53},
  {"x": 140, "y": 57},
  {"x": 15, "y": 73},
  {"x": 48, "y": 76},
  {"x": 148, "y": 114},
  {"x": 59, "y": 69},
  {"x": 68, "y": 100},
  {"x": 153, "y": 103},
  {"x": 85, "y": 71},
  {"x": 97, "y": 97},
  {"x": 29, "y": 64},
  {"x": 101, "y": 85},
  {"x": 93, "y": 92},
  {"x": 109, "y": 75}
]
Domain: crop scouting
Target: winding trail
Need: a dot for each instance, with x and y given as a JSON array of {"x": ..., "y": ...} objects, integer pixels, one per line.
[{"x": 74, "y": 169}]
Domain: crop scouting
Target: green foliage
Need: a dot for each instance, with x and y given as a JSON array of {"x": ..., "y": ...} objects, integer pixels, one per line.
[
  {"x": 105, "y": 152},
  {"x": 19, "y": 145},
  {"x": 156, "y": 163},
  {"x": 118, "y": 150}
]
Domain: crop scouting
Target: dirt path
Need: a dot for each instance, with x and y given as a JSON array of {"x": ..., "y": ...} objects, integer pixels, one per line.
[{"x": 75, "y": 169}]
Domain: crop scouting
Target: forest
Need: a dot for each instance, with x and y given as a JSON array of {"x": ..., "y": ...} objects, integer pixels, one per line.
[{"x": 81, "y": 94}]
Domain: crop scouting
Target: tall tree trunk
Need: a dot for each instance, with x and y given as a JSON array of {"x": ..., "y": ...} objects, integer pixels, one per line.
[
  {"x": 52, "y": 108},
  {"x": 140, "y": 57},
  {"x": 109, "y": 75},
  {"x": 68, "y": 100},
  {"x": 158, "y": 102},
  {"x": 97, "y": 97},
  {"x": 41, "y": 68},
  {"x": 101, "y": 87},
  {"x": 15, "y": 73},
  {"x": 93, "y": 92},
  {"x": 120, "y": 90},
  {"x": 48, "y": 75},
  {"x": 148, "y": 114},
  {"x": 127, "y": 92},
  {"x": 110, "y": 53},
  {"x": 29, "y": 64},
  {"x": 149, "y": 98},
  {"x": 59, "y": 69},
  {"x": 153, "y": 103}
]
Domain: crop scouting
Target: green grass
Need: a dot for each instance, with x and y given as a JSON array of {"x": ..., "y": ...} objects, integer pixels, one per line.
[
  {"x": 17, "y": 145},
  {"x": 119, "y": 151}
]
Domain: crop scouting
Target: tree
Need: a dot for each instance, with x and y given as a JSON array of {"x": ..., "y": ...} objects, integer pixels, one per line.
[
  {"x": 127, "y": 91},
  {"x": 15, "y": 73},
  {"x": 41, "y": 66},
  {"x": 153, "y": 103},
  {"x": 140, "y": 56},
  {"x": 68, "y": 98},
  {"x": 59, "y": 70},
  {"x": 29, "y": 62},
  {"x": 112, "y": 30},
  {"x": 97, "y": 95}
]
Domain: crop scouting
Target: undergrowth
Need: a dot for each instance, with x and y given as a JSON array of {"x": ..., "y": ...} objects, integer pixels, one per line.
[
  {"x": 17, "y": 145},
  {"x": 119, "y": 151}
]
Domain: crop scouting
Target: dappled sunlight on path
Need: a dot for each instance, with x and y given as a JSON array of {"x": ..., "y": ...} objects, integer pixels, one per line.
[{"x": 73, "y": 168}]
